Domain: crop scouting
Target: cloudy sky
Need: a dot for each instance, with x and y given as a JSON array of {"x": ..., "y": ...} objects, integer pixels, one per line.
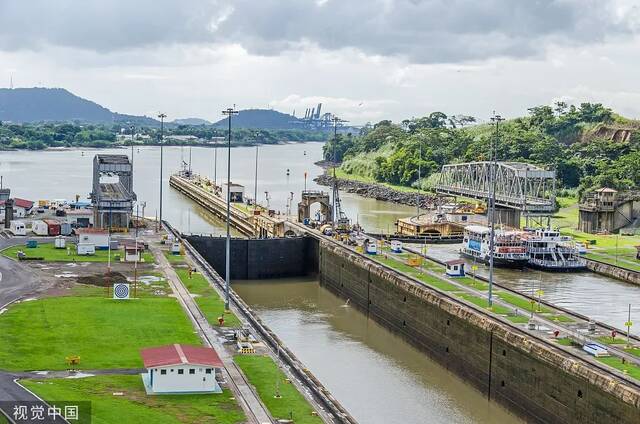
[{"x": 365, "y": 60}]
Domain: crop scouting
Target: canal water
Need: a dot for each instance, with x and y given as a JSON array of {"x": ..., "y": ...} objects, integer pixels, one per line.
[
  {"x": 598, "y": 297},
  {"x": 377, "y": 376},
  {"x": 63, "y": 174}
]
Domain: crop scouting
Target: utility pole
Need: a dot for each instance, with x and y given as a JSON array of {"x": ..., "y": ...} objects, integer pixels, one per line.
[
  {"x": 135, "y": 265},
  {"x": 132, "y": 129},
  {"x": 419, "y": 176},
  {"x": 229, "y": 112},
  {"x": 215, "y": 165},
  {"x": 161, "y": 116},
  {"x": 335, "y": 194},
  {"x": 255, "y": 183},
  {"x": 492, "y": 202}
]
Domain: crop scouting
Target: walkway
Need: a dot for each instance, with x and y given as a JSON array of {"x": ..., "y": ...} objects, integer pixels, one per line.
[{"x": 249, "y": 401}]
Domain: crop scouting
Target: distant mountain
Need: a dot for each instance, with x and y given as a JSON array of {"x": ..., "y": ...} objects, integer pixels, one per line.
[
  {"x": 58, "y": 105},
  {"x": 191, "y": 121},
  {"x": 263, "y": 119}
]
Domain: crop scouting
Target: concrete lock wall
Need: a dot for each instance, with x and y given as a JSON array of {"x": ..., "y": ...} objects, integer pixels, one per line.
[
  {"x": 538, "y": 382},
  {"x": 253, "y": 259}
]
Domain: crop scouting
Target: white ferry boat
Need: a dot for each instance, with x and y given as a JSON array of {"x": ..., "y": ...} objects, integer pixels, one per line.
[
  {"x": 550, "y": 251},
  {"x": 509, "y": 250}
]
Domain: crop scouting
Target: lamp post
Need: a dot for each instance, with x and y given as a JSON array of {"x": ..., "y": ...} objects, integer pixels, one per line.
[
  {"x": 161, "y": 116},
  {"x": 229, "y": 112},
  {"x": 132, "y": 130},
  {"x": 493, "y": 167},
  {"x": 255, "y": 183}
]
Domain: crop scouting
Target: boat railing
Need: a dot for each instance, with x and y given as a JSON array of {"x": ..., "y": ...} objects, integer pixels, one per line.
[
  {"x": 557, "y": 249},
  {"x": 558, "y": 264}
]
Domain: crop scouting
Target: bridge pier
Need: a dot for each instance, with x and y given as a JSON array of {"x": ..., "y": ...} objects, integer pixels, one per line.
[{"x": 508, "y": 217}]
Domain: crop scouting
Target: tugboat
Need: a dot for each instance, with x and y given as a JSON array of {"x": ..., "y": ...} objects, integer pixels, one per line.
[
  {"x": 509, "y": 250},
  {"x": 550, "y": 251}
]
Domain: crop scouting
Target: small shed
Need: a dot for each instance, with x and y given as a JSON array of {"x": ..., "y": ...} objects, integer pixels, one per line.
[
  {"x": 80, "y": 218},
  {"x": 40, "y": 228},
  {"x": 86, "y": 249},
  {"x": 18, "y": 228},
  {"x": 180, "y": 368},
  {"x": 236, "y": 192},
  {"x": 455, "y": 268},
  {"x": 132, "y": 253},
  {"x": 96, "y": 236}
]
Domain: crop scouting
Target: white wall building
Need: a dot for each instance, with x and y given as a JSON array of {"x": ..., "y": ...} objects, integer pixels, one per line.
[
  {"x": 96, "y": 236},
  {"x": 81, "y": 218},
  {"x": 180, "y": 368}
]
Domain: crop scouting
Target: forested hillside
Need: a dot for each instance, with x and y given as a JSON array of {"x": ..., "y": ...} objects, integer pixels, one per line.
[{"x": 589, "y": 146}]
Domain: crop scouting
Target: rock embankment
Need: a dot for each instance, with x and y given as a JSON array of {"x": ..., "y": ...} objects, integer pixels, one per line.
[{"x": 378, "y": 191}]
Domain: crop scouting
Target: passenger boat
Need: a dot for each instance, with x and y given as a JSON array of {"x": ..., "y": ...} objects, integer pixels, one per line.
[
  {"x": 509, "y": 250},
  {"x": 550, "y": 251}
]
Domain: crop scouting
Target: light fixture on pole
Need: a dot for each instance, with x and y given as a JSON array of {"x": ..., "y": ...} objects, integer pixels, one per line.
[
  {"x": 229, "y": 112},
  {"x": 493, "y": 167},
  {"x": 161, "y": 116}
]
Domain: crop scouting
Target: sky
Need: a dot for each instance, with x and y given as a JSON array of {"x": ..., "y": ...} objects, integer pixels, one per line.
[{"x": 365, "y": 60}]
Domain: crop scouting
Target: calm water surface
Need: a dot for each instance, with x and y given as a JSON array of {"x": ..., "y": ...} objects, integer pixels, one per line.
[{"x": 376, "y": 375}]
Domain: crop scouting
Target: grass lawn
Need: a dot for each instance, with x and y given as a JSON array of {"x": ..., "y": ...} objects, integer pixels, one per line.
[
  {"x": 263, "y": 374},
  {"x": 626, "y": 261},
  {"x": 208, "y": 299},
  {"x": 518, "y": 319},
  {"x": 406, "y": 269},
  {"x": 134, "y": 406},
  {"x": 522, "y": 303},
  {"x": 105, "y": 333},
  {"x": 564, "y": 341},
  {"x": 484, "y": 303},
  {"x": 173, "y": 259},
  {"x": 612, "y": 361},
  {"x": 51, "y": 254}
]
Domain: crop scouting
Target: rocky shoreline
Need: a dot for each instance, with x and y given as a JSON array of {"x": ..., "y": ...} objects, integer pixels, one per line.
[{"x": 378, "y": 191}]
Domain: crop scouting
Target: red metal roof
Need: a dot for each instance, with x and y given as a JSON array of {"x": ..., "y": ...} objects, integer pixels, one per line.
[
  {"x": 178, "y": 354},
  {"x": 454, "y": 262},
  {"x": 91, "y": 231},
  {"x": 21, "y": 203}
]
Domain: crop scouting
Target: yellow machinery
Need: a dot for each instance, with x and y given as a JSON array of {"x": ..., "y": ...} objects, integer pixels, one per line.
[{"x": 414, "y": 260}]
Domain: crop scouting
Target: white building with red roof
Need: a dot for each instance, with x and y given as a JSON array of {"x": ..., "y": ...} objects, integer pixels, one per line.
[
  {"x": 179, "y": 368},
  {"x": 21, "y": 207}
]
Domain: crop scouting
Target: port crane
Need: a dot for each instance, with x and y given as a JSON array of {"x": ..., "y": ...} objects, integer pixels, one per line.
[{"x": 341, "y": 223}]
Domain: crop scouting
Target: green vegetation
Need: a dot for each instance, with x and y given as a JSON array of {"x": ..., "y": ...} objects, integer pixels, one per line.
[
  {"x": 268, "y": 380},
  {"x": 615, "y": 362},
  {"x": 42, "y": 135},
  {"x": 173, "y": 259},
  {"x": 483, "y": 302},
  {"x": 134, "y": 404},
  {"x": 48, "y": 252},
  {"x": 564, "y": 341},
  {"x": 573, "y": 140},
  {"x": 207, "y": 298},
  {"x": 522, "y": 302},
  {"x": 105, "y": 333}
]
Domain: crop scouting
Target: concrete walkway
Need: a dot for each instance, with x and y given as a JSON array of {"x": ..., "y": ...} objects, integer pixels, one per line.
[{"x": 248, "y": 399}]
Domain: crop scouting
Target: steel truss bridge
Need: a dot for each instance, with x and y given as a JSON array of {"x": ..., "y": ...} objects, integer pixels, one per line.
[{"x": 519, "y": 186}]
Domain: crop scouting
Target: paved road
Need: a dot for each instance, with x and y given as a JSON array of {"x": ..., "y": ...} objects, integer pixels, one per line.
[{"x": 11, "y": 392}]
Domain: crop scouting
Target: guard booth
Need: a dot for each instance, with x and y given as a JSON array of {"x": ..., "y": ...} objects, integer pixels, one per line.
[{"x": 455, "y": 268}]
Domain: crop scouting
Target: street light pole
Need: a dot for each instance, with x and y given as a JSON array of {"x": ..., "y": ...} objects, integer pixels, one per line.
[
  {"x": 492, "y": 202},
  {"x": 419, "y": 176},
  {"x": 229, "y": 112},
  {"x": 161, "y": 116},
  {"x": 255, "y": 183},
  {"x": 132, "y": 129}
]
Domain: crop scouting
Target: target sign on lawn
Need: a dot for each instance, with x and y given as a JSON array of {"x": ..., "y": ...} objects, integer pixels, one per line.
[{"x": 121, "y": 291}]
